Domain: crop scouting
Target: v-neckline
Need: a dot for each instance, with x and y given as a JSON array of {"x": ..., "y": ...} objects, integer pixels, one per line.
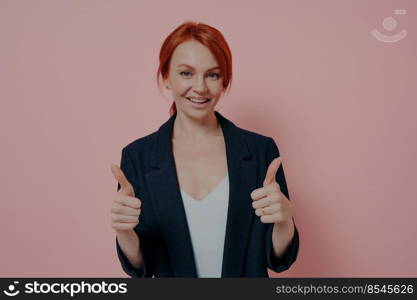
[{"x": 212, "y": 191}]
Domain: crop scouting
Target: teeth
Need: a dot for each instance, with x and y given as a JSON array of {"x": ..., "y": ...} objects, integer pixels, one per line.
[{"x": 198, "y": 100}]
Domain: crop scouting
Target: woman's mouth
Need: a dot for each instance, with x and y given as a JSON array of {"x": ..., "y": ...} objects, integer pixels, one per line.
[{"x": 198, "y": 100}]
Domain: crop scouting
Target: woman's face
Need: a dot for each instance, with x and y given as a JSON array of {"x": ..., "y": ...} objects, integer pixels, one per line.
[{"x": 194, "y": 76}]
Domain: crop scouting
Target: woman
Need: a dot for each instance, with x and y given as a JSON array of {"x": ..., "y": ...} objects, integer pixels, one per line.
[{"x": 201, "y": 197}]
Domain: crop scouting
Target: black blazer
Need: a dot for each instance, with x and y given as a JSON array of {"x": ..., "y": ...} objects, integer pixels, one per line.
[{"x": 165, "y": 241}]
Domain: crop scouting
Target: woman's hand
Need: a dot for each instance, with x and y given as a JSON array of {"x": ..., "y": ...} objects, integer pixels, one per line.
[
  {"x": 125, "y": 209},
  {"x": 269, "y": 203}
]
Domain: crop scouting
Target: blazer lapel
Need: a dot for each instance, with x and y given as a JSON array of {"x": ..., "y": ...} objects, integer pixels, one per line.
[{"x": 166, "y": 196}]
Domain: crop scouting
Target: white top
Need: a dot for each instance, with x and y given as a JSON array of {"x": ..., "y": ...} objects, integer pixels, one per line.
[{"x": 207, "y": 223}]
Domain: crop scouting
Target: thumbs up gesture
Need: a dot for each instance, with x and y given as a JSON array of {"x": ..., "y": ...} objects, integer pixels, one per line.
[
  {"x": 269, "y": 202},
  {"x": 125, "y": 209}
]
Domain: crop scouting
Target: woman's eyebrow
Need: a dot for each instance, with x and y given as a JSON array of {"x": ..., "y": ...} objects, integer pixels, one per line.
[{"x": 215, "y": 67}]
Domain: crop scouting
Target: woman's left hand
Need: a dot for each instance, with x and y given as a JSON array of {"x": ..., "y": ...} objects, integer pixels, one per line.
[{"x": 268, "y": 201}]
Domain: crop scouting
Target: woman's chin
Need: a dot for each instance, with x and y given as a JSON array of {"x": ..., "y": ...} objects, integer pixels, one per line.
[{"x": 197, "y": 114}]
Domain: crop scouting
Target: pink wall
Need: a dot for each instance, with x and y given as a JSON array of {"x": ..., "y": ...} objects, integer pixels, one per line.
[{"x": 77, "y": 83}]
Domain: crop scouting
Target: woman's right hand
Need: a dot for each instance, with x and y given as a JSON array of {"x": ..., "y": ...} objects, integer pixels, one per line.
[{"x": 125, "y": 210}]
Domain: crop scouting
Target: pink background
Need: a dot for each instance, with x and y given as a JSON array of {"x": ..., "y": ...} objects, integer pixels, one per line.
[{"x": 77, "y": 83}]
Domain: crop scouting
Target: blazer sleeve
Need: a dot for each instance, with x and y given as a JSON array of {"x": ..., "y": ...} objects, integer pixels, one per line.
[
  {"x": 146, "y": 269},
  {"x": 284, "y": 263}
]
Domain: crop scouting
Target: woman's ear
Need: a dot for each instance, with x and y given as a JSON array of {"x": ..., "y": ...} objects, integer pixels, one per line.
[{"x": 166, "y": 84}]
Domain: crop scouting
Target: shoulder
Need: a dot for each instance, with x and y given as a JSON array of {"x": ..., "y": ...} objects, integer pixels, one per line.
[
  {"x": 252, "y": 137},
  {"x": 140, "y": 144},
  {"x": 256, "y": 142},
  {"x": 139, "y": 152}
]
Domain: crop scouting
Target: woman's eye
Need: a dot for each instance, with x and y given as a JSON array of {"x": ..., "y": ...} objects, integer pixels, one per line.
[
  {"x": 217, "y": 74},
  {"x": 184, "y": 72}
]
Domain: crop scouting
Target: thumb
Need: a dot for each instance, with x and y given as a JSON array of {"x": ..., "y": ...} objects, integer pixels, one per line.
[
  {"x": 125, "y": 187},
  {"x": 272, "y": 171}
]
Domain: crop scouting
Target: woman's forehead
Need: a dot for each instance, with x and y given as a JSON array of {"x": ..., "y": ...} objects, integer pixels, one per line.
[{"x": 193, "y": 54}]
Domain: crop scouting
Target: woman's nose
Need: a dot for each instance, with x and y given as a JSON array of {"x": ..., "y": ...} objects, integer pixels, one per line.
[{"x": 199, "y": 85}]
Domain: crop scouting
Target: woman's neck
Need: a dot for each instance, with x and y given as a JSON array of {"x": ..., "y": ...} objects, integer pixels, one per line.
[{"x": 196, "y": 129}]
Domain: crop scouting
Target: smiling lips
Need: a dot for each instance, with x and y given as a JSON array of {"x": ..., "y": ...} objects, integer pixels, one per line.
[{"x": 198, "y": 100}]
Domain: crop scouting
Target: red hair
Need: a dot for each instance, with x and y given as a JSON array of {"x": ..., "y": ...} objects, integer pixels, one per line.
[{"x": 209, "y": 36}]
